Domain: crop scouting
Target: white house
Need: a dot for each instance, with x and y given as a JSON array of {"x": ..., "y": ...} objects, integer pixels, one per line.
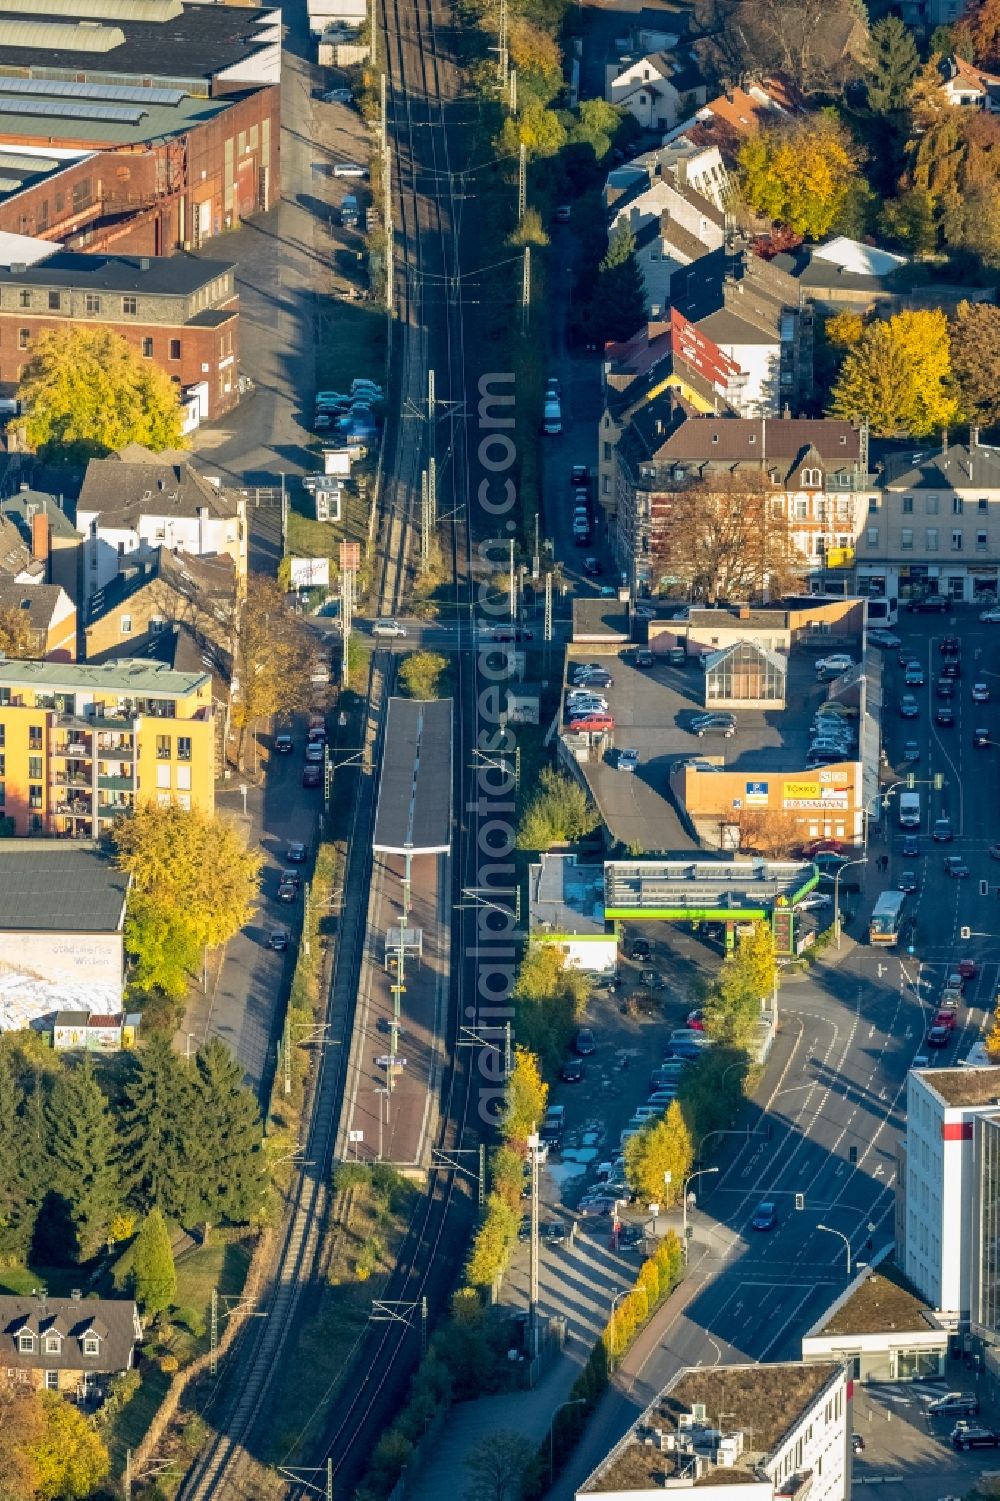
[
  {"x": 658, "y": 89},
  {"x": 132, "y": 509},
  {"x": 673, "y": 226}
]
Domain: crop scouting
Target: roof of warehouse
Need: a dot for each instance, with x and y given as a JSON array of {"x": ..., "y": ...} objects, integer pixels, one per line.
[
  {"x": 414, "y": 795},
  {"x": 177, "y": 274},
  {"x": 198, "y": 42},
  {"x": 47, "y": 886},
  {"x": 149, "y": 121}
]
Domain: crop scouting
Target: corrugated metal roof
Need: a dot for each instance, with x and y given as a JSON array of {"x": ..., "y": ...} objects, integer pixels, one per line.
[
  {"x": 113, "y": 10},
  {"x": 92, "y": 92},
  {"x": 29, "y": 166},
  {"x": 59, "y": 109},
  {"x": 60, "y": 36}
]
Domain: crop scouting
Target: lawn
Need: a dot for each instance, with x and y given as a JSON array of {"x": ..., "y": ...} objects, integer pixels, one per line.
[
  {"x": 129, "y": 1425},
  {"x": 308, "y": 538},
  {"x": 350, "y": 343},
  {"x": 58, "y": 1281},
  {"x": 219, "y": 1264}
]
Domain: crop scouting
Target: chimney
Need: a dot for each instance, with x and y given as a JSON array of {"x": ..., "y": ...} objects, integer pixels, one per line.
[
  {"x": 24, "y": 487},
  {"x": 144, "y": 263},
  {"x": 944, "y": 440},
  {"x": 974, "y": 437},
  {"x": 744, "y": 612},
  {"x": 39, "y": 537}
]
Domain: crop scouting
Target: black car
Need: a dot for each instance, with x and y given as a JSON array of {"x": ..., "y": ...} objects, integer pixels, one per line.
[
  {"x": 942, "y": 830},
  {"x": 930, "y": 604},
  {"x": 287, "y": 890},
  {"x": 283, "y": 742},
  {"x": 584, "y": 1043},
  {"x": 641, "y": 948},
  {"x": 950, "y": 646},
  {"x": 278, "y": 940},
  {"x": 554, "y": 1231},
  {"x": 938, "y": 1037},
  {"x": 296, "y": 853},
  {"x": 955, "y": 867},
  {"x": 945, "y": 688},
  {"x": 857, "y": 1443},
  {"x": 911, "y": 846},
  {"x": 572, "y": 1071},
  {"x": 312, "y": 775},
  {"x": 592, "y": 567},
  {"x": 945, "y": 717},
  {"x": 952, "y": 668},
  {"x": 714, "y": 724},
  {"x": 643, "y": 659}
]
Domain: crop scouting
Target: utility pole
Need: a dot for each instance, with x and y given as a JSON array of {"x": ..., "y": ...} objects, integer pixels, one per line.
[
  {"x": 547, "y": 630},
  {"x": 431, "y": 451},
  {"x": 533, "y": 1272},
  {"x": 513, "y": 91},
  {"x": 214, "y": 1333},
  {"x": 526, "y": 287},
  {"x": 522, "y": 182},
  {"x": 513, "y": 584},
  {"x": 482, "y": 1174},
  {"x": 387, "y": 217},
  {"x": 373, "y": 38},
  {"x": 425, "y": 521},
  {"x": 383, "y": 119},
  {"x": 284, "y": 516},
  {"x": 432, "y": 507},
  {"x": 502, "y": 49},
  {"x": 346, "y": 604}
]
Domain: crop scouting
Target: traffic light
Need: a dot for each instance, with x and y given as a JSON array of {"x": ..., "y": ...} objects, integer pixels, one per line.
[
  {"x": 984, "y": 888},
  {"x": 800, "y": 1201},
  {"x": 965, "y": 932},
  {"x": 938, "y": 780},
  {"x": 911, "y": 780}
]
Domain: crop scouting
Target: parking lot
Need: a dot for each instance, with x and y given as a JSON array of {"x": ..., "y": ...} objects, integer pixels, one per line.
[
  {"x": 908, "y": 1450},
  {"x": 653, "y": 709}
]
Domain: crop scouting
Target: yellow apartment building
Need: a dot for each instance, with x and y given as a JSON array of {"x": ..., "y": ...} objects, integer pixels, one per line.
[{"x": 82, "y": 743}]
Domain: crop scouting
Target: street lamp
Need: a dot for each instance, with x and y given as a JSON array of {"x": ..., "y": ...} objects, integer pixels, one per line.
[
  {"x": 616, "y": 1299},
  {"x": 830, "y": 1231},
  {"x": 700, "y": 1173},
  {"x": 573, "y": 1402},
  {"x": 836, "y": 892}
]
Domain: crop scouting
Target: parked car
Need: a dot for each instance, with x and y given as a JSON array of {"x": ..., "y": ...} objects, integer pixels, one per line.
[
  {"x": 929, "y": 604},
  {"x": 579, "y": 669},
  {"x": 975, "y": 1437},
  {"x": 592, "y": 723},
  {"x": 278, "y": 939},
  {"x": 811, "y": 900},
  {"x": 836, "y": 664},
  {"x": 908, "y": 707},
  {"x": 955, "y": 1404},
  {"x": 716, "y": 724},
  {"x": 765, "y": 1217},
  {"x": 990, "y": 617},
  {"x": 884, "y": 639},
  {"x": 641, "y": 948},
  {"x": 349, "y": 169},
  {"x": 572, "y": 1071},
  {"x": 857, "y": 1443},
  {"x": 296, "y": 853},
  {"x": 283, "y": 742},
  {"x": 695, "y": 1020},
  {"x": 288, "y": 886},
  {"x": 584, "y": 1043},
  {"x": 337, "y": 96}
]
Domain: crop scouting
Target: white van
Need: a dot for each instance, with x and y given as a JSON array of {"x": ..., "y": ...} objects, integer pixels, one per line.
[
  {"x": 909, "y": 810},
  {"x": 388, "y": 628}
]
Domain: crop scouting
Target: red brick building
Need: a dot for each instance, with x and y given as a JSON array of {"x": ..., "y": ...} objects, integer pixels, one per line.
[{"x": 181, "y": 311}]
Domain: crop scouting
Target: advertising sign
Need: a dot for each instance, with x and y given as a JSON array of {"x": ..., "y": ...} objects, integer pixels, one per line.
[
  {"x": 801, "y": 791},
  {"x": 756, "y": 793},
  {"x": 310, "y": 573}
]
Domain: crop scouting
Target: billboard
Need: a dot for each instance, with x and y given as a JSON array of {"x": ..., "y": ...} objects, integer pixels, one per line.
[
  {"x": 756, "y": 794},
  {"x": 310, "y": 573}
]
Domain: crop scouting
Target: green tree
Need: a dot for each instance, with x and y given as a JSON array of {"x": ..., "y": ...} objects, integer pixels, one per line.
[
  {"x": 549, "y": 999},
  {"x": 975, "y": 359},
  {"x": 800, "y": 174},
  {"x": 559, "y": 813},
  {"x": 910, "y": 220},
  {"x": 747, "y": 978},
  {"x": 275, "y": 657},
  {"x": 15, "y": 1228},
  {"x": 498, "y": 1466},
  {"x": 223, "y": 1170},
  {"x": 162, "y": 947},
  {"x": 421, "y": 672},
  {"x": 17, "y": 635},
  {"x": 527, "y": 1094},
  {"x": 193, "y": 882},
  {"x": 596, "y": 125},
  {"x": 154, "y": 1118},
  {"x": 83, "y": 1153},
  {"x": 660, "y": 1148},
  {"x": 86, "y": 390},
  {"x": 898, "y": 377},
  {"x": 153, "y": 1266},
  {"x": 621, "y": 293},
  {"x": 538, "y": 129},
  {"x": 893, "y": 62},
  {"x": 22, "y": 1425},
  {"x": 69, "y": 1458},
  {"x": 492, "y": 1242}
]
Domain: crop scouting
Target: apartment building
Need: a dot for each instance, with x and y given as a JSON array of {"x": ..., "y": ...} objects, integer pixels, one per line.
[
  {"x": 948, "y": 1195},
  {"x": 672, "y": 223},
  {"x": 934, "y": 526},
  {"x": 764, "y": 1432},
  {"x": 135, "y": 503},
  {"x": 81, "y": 744},
  {"x": 49, "y": 616},
  {"x": 815, "y": 470}
]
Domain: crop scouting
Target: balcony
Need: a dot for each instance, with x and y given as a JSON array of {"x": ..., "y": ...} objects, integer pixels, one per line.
[
  {"x": 72, "y": 779},
  {"x": 79, "y": 749},
  {"x": 115, "y": 784},
  {"x": 120, "y": 747}
]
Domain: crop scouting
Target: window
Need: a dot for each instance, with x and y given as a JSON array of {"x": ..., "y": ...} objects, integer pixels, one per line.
[
  {"x": 130, "y": 306},
  {"x": 932, "y": 539},
  {"x": 92, "y": 302},
  {"x": 931, "y": 505},
  {"x": 183, "y": 801},
  {"x": 26, "y": 1343},
  {"x": 34, "y": 737},
  {"x": 23, "y": 338},
  {"x": 980, "y": 541},
  {"x": 957, "y": 505},
  {"x": 906, "y": 539},
  {"x": 183, "y": 747},
  {"x": 52, "y": 1343},
  {"x": 34, "y": 795},
  {"x": 983, "y": 503},
  {"x": 163, "y": 747},
  {"x": 24, "y": 297},
  {"x": 91, "y": 1344},
  {"x": 51, "y": 1381},
  {"x": 126, "y": 625},
  {"x": 907, "y": 505},
  {"x": 956, "y": 541},
  {"x": 872, "y": 536},
  {"x": 157, "y": 624},
  {"x": 801, "y": 510},
  {"x": 812, "y": 478},
  {"x": 183, "y": 778},
  {"x": 3, "y": 794},
  {"x": 147, "y": 348},
  {"x": 35, "y": 768},
  {"x": 872, "y": 504},
  {"x": 175, "y": 349},
  {"x": 55, "y": 301}
]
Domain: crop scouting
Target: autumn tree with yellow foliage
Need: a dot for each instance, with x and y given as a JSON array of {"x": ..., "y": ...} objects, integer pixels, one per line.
[
  {"x": 801, "y": 175},
  {"x": 898, "y": 377}
]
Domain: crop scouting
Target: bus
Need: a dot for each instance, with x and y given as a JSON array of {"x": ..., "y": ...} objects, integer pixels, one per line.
[
  {"x": 882, "y": 610},
  {"x": 885, "y": 920}
]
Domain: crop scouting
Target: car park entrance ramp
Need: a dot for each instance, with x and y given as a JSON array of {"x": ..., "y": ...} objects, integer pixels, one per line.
[
  {"x": 414, "y": 795},
  {"x": 727, "y": 891}
]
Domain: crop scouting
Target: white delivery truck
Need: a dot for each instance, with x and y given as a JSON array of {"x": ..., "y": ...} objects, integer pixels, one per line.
[{"x": 909, "y": 810}]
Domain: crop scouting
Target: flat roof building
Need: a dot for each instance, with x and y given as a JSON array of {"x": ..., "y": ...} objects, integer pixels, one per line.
[
  {"x": 882, "y": 1325},
  {"x": 764, "y": 1431}
]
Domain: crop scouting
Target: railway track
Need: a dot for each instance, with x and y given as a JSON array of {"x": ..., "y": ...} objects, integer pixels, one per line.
[{"x": 428, "y": 328}]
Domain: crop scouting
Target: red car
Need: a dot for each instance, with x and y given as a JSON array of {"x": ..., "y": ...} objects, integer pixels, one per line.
[
  {"x": 967, "y": 968},
  {"x": 821, "y": 847},
  {"x": 944, "y": 1019},
  {"x": 696, "y": 1021},
  {"x": 592, "y": 722}
]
